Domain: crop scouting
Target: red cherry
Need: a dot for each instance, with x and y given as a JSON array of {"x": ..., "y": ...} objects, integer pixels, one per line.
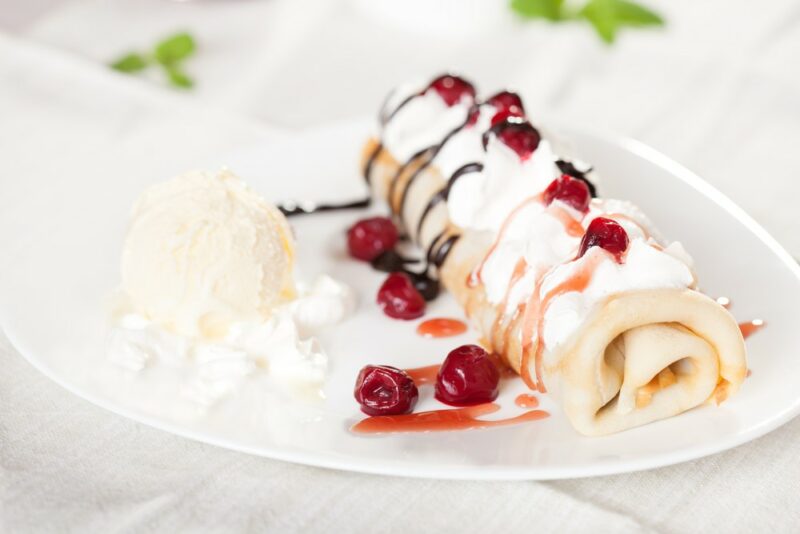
[
  {"x": 398, "y": 298},
  {"x": 607, "y": 234},
  {"x": 502, "y": 116},
  {"x": 570, "y": 191},
  {"x": 517, "y": 134},
  {"x": 452, "y": 89},
  {"x": 384, "y": 390},
  {"x": 506, "y": 104},
  {"x": 368, "y": 238},
  {"x": 506, "y": 100},
  {"x": 468, "y": 376}
]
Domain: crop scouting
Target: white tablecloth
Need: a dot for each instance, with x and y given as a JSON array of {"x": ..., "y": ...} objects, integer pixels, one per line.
[{"x": 719, "y": 90}]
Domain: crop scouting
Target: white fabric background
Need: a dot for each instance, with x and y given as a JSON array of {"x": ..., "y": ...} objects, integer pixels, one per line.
[{"x": 719, "y": 91}]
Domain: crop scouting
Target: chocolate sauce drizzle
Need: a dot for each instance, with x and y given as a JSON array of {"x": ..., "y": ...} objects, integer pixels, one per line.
[
  {"x": 428, "y": 286},
  {"x": 440, "y": 247},
  {"x": 444, "y": 250},
  {"x": 394, "y": 184},
  {"x": 392, "y": 262},
  {"x": 383, "y": 119},
  {"x": 429, "y": 252},
  {"x": 291, "y": 208},
  {"x": 434, "y": 152},
  {"x": 437, "y": 256},
  {"x": 443, "y": 194}
]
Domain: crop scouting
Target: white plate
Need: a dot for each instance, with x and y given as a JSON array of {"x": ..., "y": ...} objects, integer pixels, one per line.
[{"x": 53, "y": 313}]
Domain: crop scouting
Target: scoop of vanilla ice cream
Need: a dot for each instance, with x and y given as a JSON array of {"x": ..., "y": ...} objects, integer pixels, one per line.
[{"x": 204, "y": 251}]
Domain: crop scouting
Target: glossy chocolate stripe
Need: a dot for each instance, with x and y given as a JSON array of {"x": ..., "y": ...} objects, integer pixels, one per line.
[
  {"x": 290, "y": 209},
  {"x": 396, "y": 178},
  {"x": 444, "y": 192},
  {"x": 439, "y": 196},
  {"x": 436, "y": 149},
  {"x": 384, "y": 118},
  {"x": 411, "y": 180},
  {"x": 429, "y": 252},
  {"x": 444, "y": 250}
]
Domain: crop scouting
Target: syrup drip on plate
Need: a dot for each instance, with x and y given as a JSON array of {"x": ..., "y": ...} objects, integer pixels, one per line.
[
  {"x": 442, "y": 420},
  {"x": 751, "y": 327},
  {"x": 424, "y": 375},
  {"x": 748, "y": 328},
  {"x": 441, "y": 327},
  {"x": 526, "y": 400}
]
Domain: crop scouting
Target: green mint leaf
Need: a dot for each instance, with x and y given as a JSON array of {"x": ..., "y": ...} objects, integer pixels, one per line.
[
  {"x": 636, "y": 15},
  {"x": 174, "y": 48},
  {"x": 602, "y": 15},
  {"x": 177, "y": 77},
  {"x": 542, "y": 9},
  {"x": 132, "y": 62}
]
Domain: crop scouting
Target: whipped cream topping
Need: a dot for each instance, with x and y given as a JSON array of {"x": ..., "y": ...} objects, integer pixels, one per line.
[
  {"x": 483, "y": 200},
  {"x": 535, "y": 244},
  {"x": 400, "y": 94},
  {"x": 645, "y": 267},
  {"x": 540, "y": 244},
  {"x": 534, "y": 234},
  {"x": 466, "y": 145},
  {"x": 421, "y": 123},
  {"x": 135, "y": 342},
  {"x": 323, "y": 303},
  {"x": 282, "y": 347},
  {"x": 218, "y": 371}
]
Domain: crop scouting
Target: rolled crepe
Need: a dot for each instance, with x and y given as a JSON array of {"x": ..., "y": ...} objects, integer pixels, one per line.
[{"x": 639, "y": 356}]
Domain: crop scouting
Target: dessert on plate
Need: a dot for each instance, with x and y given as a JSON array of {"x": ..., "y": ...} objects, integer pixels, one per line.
[
  {"x": 577, "y": 294},
  {"x": 208, "y": 284}
]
